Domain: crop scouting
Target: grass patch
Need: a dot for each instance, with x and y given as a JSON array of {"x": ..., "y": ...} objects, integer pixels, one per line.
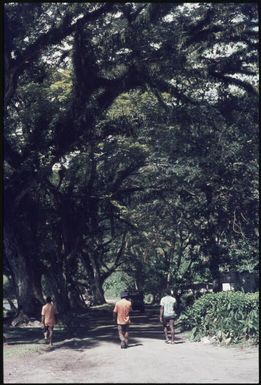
[{"x": 19, "y": 350}]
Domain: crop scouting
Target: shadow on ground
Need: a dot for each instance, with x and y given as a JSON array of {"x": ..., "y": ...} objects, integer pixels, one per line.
[{"x": 99, "y": 328}]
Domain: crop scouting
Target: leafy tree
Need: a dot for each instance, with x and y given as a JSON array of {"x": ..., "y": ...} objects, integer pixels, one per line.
[{"x": 149, "y": 112}]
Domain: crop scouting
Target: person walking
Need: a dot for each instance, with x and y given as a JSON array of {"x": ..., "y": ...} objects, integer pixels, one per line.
[
  {"x": 121, "y": 317},
  {"x": 49, "y": 319},
  {"x": 167, "y": 314}
]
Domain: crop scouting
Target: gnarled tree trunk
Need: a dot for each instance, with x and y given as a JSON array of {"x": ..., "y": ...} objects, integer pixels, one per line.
[{"x": 28, "y": 291}]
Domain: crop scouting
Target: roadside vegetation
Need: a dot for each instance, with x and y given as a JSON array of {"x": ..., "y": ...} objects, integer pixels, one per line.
[{"x": 226, "y": 317}]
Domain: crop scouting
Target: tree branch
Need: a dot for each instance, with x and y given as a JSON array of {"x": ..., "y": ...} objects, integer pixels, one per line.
[
  {"x": 11, "y": 156},
  {"x": 234, "y": 81},
  {"x": 53, "y": 36}
]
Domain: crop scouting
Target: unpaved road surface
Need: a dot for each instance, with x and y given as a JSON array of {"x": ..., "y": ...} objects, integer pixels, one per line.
[{"x": 96, "y": 357}]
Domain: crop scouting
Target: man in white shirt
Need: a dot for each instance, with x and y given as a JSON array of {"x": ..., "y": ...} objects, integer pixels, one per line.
[{"x": 167, "y": 314}]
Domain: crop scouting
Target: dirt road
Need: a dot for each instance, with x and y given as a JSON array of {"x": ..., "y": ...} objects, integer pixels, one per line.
[{"x": 95, "y": 357}]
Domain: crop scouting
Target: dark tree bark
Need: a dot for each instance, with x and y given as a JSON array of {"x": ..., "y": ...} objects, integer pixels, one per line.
[
  {"x": 27, "y": 280},
  {"x": 57, "y": 282}
]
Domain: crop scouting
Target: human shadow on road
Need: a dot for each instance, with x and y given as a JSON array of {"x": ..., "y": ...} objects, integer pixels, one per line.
[
  {"x": 84, "y": 339},
  {"x": 96, "y": 327},
  {"x": 179, "y": 340},
  {"x": 93, "y": 338},
  {"x": 133, "y": 345}
]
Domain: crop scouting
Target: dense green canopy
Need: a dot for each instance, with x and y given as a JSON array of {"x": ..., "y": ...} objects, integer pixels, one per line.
[{"x": 130, "y": 145}]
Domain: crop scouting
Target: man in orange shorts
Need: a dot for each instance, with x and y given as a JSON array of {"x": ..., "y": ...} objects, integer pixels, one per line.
[
  {"x": 121, "y": 317},
  {"x": 48, "y": 319}
]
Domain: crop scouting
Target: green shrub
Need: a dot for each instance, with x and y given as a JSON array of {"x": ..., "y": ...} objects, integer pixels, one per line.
[{"x": 227, "y": 316}]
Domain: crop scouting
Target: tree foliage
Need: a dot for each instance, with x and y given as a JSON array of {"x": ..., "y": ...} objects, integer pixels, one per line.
[{"x": 130, "y": 142}]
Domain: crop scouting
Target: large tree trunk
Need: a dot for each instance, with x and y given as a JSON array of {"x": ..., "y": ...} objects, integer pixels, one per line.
[
  {"x": 212, "y": 246},
  {"x": 98, "y": 280},
  {"x": 139, "y": 277},
  {"x": 58, "y": 286},
  {"x": 95, "y": 277},
  {"x": 28, "y": 292},
  {"x": 77, "y": 303},
  {"x": 214, "y": 267},
  {"x": 97, "y": 290}
]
